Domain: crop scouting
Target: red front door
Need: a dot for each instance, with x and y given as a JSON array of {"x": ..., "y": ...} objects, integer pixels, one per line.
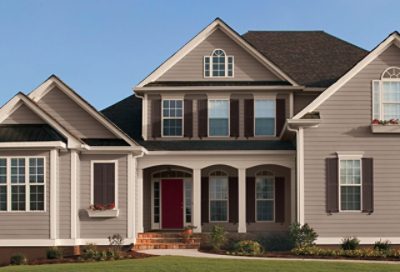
[{"x": 172, "y": 203}]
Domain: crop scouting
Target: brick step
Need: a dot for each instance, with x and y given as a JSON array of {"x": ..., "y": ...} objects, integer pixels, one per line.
[
  {"x": 163, "y": 235},
  {"x": 160, "y": 240},
  {"x": 166, "y": 246}
]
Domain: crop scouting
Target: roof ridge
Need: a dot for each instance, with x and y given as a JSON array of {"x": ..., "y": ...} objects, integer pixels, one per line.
[
  {"x": 347, "y": 42},
  {"x": 248, "y": 31}
]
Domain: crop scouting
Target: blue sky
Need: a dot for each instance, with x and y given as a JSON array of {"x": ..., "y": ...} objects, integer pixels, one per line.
[{"x": 103, "y": 48}]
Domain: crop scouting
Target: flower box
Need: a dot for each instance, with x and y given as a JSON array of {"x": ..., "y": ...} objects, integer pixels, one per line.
[
  {"x": 385, "y": 128},
  {"x": 103, "y": 213}
]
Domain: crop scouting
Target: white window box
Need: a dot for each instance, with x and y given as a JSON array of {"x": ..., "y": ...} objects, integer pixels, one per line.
[
  {"x": 103, "y": 214},
  {"x": 385, "y": 128}
]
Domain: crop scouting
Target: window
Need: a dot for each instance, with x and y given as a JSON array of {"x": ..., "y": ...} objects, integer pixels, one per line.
[
  {"x": 350, "y": 185},
  {"x": 172, "y": 117},
  {"x": 264, "y": 116},
  {"x": 265, "y": 196},
  {"x": 386, "y": 95},
  {"x": 188, "y": 201},
  {"x": 18, "y": 187},
  {"x": 218, "y": 186},
  {"x": 218, "y": 64},
  {"x": 3, "y": 184},
  {"x": 104, "y": 187},
  {"x": 218, "y": 117},
  {"x": 36, "y": 184},
  {"x": 156, "y": 199}
]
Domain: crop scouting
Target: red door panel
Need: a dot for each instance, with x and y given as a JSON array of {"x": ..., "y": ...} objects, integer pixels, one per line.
[{"x": 172, "y": 203}]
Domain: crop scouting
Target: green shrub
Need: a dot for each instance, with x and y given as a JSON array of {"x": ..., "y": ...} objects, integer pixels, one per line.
[
  {"x": 217, "y": 237},
  {"x": 53, "y": 253},
  {"x": 90, "y": 252},
  {"x": 382, "y": 245},
  {"x": 313, "y": 251},
  {"x": 248, "y": 248},
  {"x": 18, "y": 259},
  {"x": 350, "y": 243},
  {"x": 276, "y": 242},
  {"x": 302, "y": 236},
  {"x": 116, "y": 242}
]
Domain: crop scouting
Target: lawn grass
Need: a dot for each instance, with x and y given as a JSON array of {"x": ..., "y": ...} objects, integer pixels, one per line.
[{"x": 184, "y": 264}]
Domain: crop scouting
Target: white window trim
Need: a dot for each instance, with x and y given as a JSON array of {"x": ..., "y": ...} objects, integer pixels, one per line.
[
  {"x": 26, "y": 184},
  {"x": 182, "y": 118},
  {"x": 211, "y": 64},
  {"x": 350, "y": 156},
  {"x": 209, "y": 199},
  {"x": 254, "y": 125},
  {"x": 208, "y": 117},
  {"x": 273, "y": 200},
  {"x": 92, "y": 163}
]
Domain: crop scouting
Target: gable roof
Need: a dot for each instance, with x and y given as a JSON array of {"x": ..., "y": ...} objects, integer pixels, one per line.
[
  {"x": 393, "y": 38},
  {"x": 216, "y": 24},
  {"x": 311, "y": 58}
]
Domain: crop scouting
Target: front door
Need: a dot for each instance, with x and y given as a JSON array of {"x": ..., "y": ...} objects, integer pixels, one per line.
[{"x": 172, "y": 203}]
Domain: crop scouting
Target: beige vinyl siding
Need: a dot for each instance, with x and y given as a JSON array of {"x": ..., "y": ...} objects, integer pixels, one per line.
[
  {"x": 23, "y": 115},
  {"x": 346, "y": 118},
  {"x": 190, "y": 68},
  {"x": 64, "y": 196},
  {"x": 72, "y": 116},
  {"x": 27, "y": 225},
  {"x": 101, "y": 228},
  {"x": 300, "y": 101}
]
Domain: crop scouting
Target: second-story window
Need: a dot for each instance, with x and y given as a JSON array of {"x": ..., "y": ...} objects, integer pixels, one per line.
[
  {"x": 218, "y": 117},
  {"x": 218, "y": 64},
  {"x": 264, "y": 115},
  {"x": 172, "y": 115}
]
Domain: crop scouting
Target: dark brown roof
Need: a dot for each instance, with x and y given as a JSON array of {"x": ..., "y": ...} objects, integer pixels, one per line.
[
  {"x": 29, "y": 133},
  {"x": 105, "y": 142},
  {"x": 311, "y": 58}
]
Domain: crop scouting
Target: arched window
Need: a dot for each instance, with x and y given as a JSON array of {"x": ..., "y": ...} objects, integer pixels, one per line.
[
  {"x": 218, "y": 64},
  {"x": 265, "y": 196},
  {"x": 386, "y": 95},
  {"x": 218, "y": 196}
]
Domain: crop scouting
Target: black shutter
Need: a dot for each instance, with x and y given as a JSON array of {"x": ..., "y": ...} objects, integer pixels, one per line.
[
  {"x": 234, "y": 118},
  {"x": 249, "y": 118},
  {"x": 332, "y": 185},
  {"x": 188, "y": 118},
  {"x": 280, "y": 115},
  {"x": 204, "y": 200},
  {"x": 367, "y": 185},
  {"x": 250, "y": 199},
  {"x": 233, "y": 200},
  {"x": 202, "y": 116},
  {"x": 279, "y": 199},
  {"x": 156, "y": 118},
  {"x": 104, "y": 183}
]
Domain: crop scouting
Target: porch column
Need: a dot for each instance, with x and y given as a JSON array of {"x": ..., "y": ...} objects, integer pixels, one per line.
[
  {"x": 139, "y": 201},
  {"x": 196, "y": 206},
  {"x": 242, "y": 200},
  {"x": 293, "y": 194},
  {"x": 53, "y": 192}
]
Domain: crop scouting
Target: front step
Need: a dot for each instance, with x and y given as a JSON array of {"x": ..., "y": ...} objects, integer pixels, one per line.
[{"x": 166, "y": 240}]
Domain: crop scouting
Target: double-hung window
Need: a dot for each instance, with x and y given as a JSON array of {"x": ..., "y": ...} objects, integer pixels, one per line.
[
  {"x": 265, "y": 196},
  {"x": 36, "y": 184},
  {"x": 218, "y": 117},
  {"x": 18, "y": 184},
  {"x": 218, "y": 64},
  {"x": 264, "y": 115},
  {"x": 386, "y": 95},
  {"x": 172, "y": 117},
  {"x": 218, "y": 187},
  {"x": 3, "y": 185},
  {"x": 350, "y": 183}
]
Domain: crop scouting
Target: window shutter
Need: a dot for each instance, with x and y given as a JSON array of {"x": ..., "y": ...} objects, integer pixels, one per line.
[
  {"x": 156, "y": 118},
  {"x": 280, "y": 115},
  {"x": 233, "y": 200},
  {"x": 367, "y": 185},
  {"x": 251, "y": 199},
  {"x": 188, "y": 118},
  {"x": 249, "y": 118},
  {"x": 203, "y": 115},
  {"x": 104, "y": 183},
  {"x": 234, "y": 118},
  {"x": 376, "y": 103},
  {"x": 332, "y": 185},
  {"x": 279, "y": 199},
  {"x": 204, "y": 200}
]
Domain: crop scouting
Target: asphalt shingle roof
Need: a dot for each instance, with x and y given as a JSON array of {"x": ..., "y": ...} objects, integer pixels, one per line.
[{"x": 29, "y": 133}]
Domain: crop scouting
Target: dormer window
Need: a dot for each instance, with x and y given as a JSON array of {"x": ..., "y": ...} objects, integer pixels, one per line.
[
  {"x": 218, "y": 64},
  {"x": 386, "y": 95}
]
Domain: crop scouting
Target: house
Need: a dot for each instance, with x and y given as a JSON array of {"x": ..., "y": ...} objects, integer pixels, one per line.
[{"x": 252, "y": 132}]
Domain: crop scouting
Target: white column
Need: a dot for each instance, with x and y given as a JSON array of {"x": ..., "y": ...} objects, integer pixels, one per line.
[
  {"x": 139, "y": 201},
  {"x": 293, "y": 195},
  {"x": 196, "y": 206},
  {"x": 131, "y": 161},
  {"x": 53, "y": 193},
  {"x": 74, "y": 194},
  {"x": 300, "y": 173},
  {"x": 242, "y": 201}
]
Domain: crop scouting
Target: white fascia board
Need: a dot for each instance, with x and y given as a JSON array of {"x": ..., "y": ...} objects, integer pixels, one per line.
[
  {"x": 206, "y": 32},
  {"x": 392, "y": 39},
  {"x": 50, "y": 144}
]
